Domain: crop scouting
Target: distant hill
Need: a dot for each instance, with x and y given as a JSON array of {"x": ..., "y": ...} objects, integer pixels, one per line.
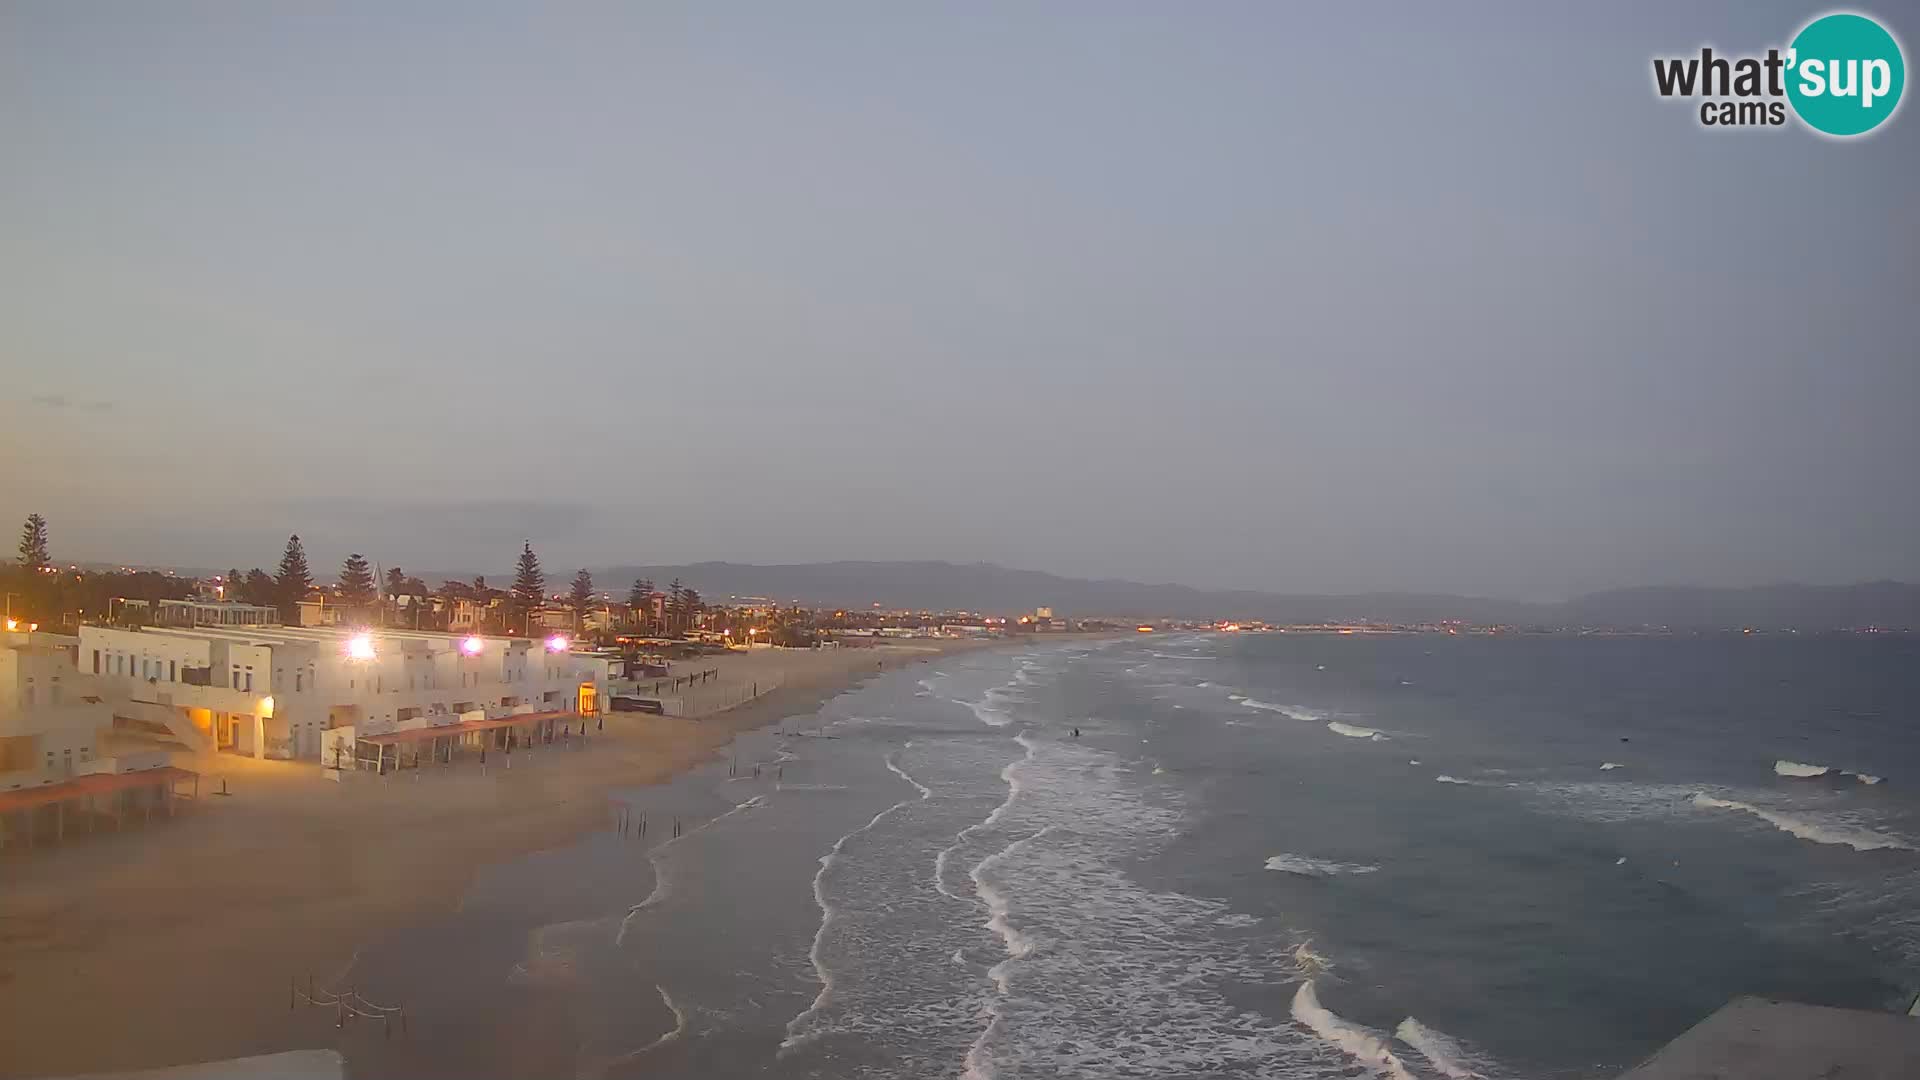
[
  {"x": 986, "y": 587},
  {"x": 1887, "y": 604}
]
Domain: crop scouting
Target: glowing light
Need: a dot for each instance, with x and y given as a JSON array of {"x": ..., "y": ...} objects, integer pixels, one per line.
[
  {"x": 557, "y": 643},
  {"x": 266, "y": 705},
  {"x": 360, "y": 647},
  {"x": 472, "y": 646},
  {"x": 13, "y": 624},
  {"x": 1140, "y": 629}
]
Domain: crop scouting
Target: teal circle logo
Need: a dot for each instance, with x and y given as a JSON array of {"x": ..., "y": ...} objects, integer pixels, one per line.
[{"x": 1845, "y": 73}]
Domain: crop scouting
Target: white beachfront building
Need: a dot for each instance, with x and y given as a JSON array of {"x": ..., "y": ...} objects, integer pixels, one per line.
[
  {"x": 50, "y": 716},
  {"x": 273, "y": 691}
]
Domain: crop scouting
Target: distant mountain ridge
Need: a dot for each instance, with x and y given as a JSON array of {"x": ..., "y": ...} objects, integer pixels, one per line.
[{"x": 992, "y": 588}]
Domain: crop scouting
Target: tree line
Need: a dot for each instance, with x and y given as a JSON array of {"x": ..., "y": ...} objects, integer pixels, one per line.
[{"x": 43, "y": 592}]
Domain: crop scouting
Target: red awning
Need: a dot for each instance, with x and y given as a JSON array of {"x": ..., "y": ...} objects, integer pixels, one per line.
[
  {"x": 82, "y": 786},
  {"x": 465, "y": 727}
]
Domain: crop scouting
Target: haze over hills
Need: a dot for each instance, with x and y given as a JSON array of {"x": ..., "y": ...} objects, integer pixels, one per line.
[
  {"x": 945, "y": 586},
  {"x": 987, "y": 587}
]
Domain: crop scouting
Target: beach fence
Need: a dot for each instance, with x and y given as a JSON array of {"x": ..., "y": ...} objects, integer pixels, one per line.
[{"x": 347, "y": 1005}]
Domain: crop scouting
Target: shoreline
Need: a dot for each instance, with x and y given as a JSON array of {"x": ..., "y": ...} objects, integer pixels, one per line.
[{"x": 185, "y": 935}]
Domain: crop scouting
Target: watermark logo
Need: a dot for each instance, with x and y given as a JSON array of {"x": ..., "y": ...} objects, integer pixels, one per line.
[{"x": 1842, "y": 75}]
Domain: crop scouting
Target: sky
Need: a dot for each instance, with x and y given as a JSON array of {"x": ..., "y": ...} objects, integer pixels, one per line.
[{"x": 1347, "y": 298}]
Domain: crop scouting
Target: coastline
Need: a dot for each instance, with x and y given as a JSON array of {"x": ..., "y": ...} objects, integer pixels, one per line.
[{"x": 182, "y": 938}]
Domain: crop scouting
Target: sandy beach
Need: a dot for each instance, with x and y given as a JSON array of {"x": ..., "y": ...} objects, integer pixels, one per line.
[{"x": 175, "y": 942}]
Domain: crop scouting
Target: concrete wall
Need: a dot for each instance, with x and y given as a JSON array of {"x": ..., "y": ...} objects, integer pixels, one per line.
[{"x": 48, "y": 729}]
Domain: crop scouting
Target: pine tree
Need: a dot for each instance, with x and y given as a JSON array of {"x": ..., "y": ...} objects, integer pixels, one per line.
[
  {"x": 356, "y": 581},
  {"x": 231, "y": 585},
  {"x": 676, "y": 598},
  {"x": 581, "y": 594},
  {"x": 33, "y": 543},
  {"x": 258, "y": 587},
  {"x": 529, "y": 584},
  {"x": 640, "y": 601},
  {"x": 690, "y": 607},
  {"x": 294, "y": 579}
]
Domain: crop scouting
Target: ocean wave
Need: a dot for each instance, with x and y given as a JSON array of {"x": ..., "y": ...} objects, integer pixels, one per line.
[
  {"x": 662, "y": 880},
  {"x": 798, "y": 1023},
  {"x": 598, "y": 1068},
  {"x": 1867, "y": 779},
  {"x": 1608, "y": 765},
  {"x": 1363, "y": 1044},
  {"x": 894, "y": 767},
  {"x": 1784, "y": 767},
  {"x": 1859, "y": 839},
  {"x": 1307, "y": 866},
  {"x": 1101, "y": 976},
  {"x": 1445, "y": 779},
  {"x": 1442, "y": 1051},
  {"x": 1309, "y": 961},
  {"x": 986, "y": 711},
  {"x": 1354, "y": 731},
  {"x": 1294, "y": 711},
  {"x": 1180, "y": 656}
]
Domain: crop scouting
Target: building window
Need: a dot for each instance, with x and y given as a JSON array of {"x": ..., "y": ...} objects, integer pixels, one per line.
[
  {"x": 249, "y": 681},
  {"x": 96, "y": 661},
  {"x": 173, "y": 671},
  {"x": 298, "y": 678}
]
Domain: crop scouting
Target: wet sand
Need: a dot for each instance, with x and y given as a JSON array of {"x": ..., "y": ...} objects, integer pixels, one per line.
[{"x": 177, "y": 942}]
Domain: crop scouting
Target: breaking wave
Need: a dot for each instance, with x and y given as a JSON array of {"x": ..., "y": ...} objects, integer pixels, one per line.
[
  {"x": 1795, "y": 768},
  {"x": 1857, "y": 838},
  {"x": 1363, "y": 1044},
  {"x": 1446, "y": 1055},
  {"x": 1306, "y": 866}
]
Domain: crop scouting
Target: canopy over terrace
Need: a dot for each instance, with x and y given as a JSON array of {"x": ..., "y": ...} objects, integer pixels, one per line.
[
  {"x": 31, "y": 800},
  {"x": 440, "y": 741}
]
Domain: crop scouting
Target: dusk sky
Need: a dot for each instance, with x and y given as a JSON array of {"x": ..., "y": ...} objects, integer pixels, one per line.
[{"x": 1430, "y": 297}]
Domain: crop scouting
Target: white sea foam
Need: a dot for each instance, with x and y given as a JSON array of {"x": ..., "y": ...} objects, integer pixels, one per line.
[
  {"x": 798, "y": 1023},
  {"x": 1100, "y": 976},
  {"x": 1866, "y": 778},
  {"x": 895, "y": 768},
  {"x": 1293, "y": 711},
  {"x": 1799, "y": 769},
  {"x": 1309, "y": 962},
  {"x": 1415, "y": 761},
  {"x": 1445, "y": 779},
  {"x": 593, "y": 1070},
  {"x": 662, "y": 879},
  {"x": 1354, "y": 731},
  {"x": 1307, "y": 866},
  {"x": 1442, "y": 1051},
  {"x": 1363, "y": 1044},
  {"x": 1857, "y": 838},
  {"x": 1609, "y": 765}
]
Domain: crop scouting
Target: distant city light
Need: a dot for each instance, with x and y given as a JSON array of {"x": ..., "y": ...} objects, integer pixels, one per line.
[
  {"x": 472, "y": 646},
  {"x": 558, "y": 643},
  {"x": 360, "y": 647},
  {"x": 266, "y": 705},
  {"x": 13, "y": 624}
]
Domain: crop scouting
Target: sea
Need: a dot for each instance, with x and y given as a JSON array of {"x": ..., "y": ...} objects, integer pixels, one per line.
[{"x": 1214, "y": 855}]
